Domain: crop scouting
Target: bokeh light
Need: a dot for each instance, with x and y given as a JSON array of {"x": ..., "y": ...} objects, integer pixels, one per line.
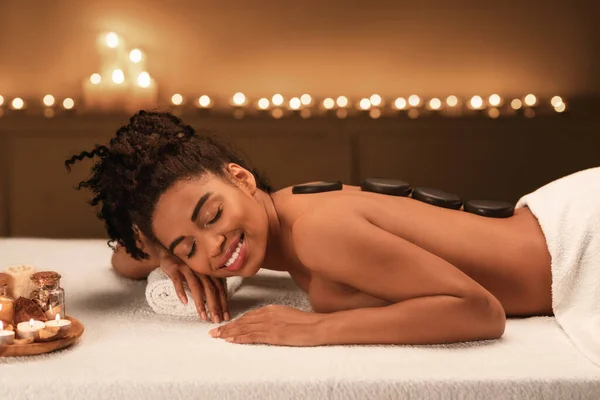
[
  {"x": 239, "y": 99},
  {"x": 177, "y": 99},
  {"x": 48, "y": 100},
  {"x": 414, "y": 100}
]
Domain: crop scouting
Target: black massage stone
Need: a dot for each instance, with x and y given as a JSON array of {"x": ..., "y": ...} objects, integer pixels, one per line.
[
  {"x": 318, "y": 187},
  {"x": 490, "y": 208},
  {"x": 393, "y": 187},
  {"x": 437, "y": 197}
]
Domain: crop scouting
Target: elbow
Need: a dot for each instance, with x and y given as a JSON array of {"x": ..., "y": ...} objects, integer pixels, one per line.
[
  {"x": 130, "y": 268},
  {"x": 490, "y": 317}
]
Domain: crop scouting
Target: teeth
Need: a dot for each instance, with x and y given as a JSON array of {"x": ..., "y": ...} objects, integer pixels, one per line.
[{"x": 235, "y": 254}]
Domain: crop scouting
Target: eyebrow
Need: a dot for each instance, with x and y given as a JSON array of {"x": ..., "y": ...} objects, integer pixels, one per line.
[{"x": 195, "y": 213}]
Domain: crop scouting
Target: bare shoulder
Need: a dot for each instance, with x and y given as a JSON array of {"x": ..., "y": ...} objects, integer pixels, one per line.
[
  {"x": 313, "y": 231},
  {"x": 291, "y": 207}
]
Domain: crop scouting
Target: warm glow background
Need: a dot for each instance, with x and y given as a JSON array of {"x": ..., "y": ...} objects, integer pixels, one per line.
[{"x": 325, "y": 48}]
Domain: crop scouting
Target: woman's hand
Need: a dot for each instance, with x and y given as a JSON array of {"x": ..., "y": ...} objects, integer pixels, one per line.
[
  {"x": 273, "y": 324},
  {"x": 201, "y": 286}
]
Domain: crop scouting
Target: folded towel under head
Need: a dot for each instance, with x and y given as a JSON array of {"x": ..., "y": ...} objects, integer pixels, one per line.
[
  {"x": 162, "y": 298},
  {"x": 568, "y": 211}
]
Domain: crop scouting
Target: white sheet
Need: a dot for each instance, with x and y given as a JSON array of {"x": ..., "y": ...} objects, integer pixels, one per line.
[{"x": 129, "y": 352}]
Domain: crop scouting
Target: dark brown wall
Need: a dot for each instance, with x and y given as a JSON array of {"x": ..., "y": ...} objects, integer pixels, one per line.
[
  {"x": 326, "y": 48},
  {"x": 476, "y": 158}
]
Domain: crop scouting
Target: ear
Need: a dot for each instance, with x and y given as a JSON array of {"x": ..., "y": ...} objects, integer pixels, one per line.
[{"x": 242, "y": 177}]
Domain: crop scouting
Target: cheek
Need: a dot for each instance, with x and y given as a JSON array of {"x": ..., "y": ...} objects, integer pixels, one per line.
[
  {"x": 258, "y": 222},
  {"x": 249, "y": 217}
]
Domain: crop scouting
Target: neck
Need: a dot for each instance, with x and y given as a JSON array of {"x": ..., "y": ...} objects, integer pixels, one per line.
[{"x": 274, "y": 259}]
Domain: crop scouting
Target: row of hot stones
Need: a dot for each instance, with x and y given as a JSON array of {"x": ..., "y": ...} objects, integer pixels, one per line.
[{"x": 429, "y": 195}]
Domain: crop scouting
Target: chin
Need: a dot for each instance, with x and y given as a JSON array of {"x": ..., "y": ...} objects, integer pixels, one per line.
[
  {"x": 251, "y": 264},
  {"x": 248, "y": 272}
]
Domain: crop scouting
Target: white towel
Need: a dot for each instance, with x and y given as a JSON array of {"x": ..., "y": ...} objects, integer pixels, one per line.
[
  {"x": 162, "y": 298},
  {"x": 568, "y": 211}
]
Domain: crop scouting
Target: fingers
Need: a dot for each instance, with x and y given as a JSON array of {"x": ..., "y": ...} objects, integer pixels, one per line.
[
  {"x": 176, "y": 278},
  {"x": 251, "y": 338},
  {"x": 222, "y": 295},
  {"x": 197, "y": 292},
  {"x": 239, "y": 327},
  {"x": 211, "y": 299},
  {"x": 171, "y": 269}
]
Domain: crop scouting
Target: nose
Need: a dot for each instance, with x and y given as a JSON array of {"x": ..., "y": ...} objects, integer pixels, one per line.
[{"x": 216, "y": 245}]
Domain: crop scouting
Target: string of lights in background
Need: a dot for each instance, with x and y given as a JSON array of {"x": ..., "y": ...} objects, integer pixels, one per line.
[
  {"x": 375, "y": 106},
  {"x": 122, "y": 84}
]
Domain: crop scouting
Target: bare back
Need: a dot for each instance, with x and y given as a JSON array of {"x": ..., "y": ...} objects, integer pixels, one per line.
[{"x": 506, "y": 256}]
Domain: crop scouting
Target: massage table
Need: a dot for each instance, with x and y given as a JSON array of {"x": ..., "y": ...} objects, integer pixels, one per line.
[{"x": 129, "y": 352}]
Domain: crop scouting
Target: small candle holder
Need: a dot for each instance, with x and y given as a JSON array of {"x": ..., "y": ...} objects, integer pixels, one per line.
[
  {"x": 29, "y": 329},
  {"x": 7, "y": 336},
  {"x": 63, "y": 325}
]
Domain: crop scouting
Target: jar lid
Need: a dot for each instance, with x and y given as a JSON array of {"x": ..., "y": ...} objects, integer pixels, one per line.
[
  {"x": 4, "y": 279},
  {"x": 46, "y": 278}
]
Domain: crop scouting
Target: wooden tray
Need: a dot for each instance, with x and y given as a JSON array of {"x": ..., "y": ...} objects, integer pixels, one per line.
[{"x": 17, "y": 350}]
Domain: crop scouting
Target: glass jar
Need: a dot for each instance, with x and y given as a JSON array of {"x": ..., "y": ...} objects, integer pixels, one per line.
[
  {"x": 7, "y": 304},
  {"x": 48, "y": 294}
]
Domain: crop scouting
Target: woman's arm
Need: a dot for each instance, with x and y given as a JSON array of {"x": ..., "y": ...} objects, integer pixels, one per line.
[
  {"x": 424, "y": 320},
  {"x": 434, "y": 302}
]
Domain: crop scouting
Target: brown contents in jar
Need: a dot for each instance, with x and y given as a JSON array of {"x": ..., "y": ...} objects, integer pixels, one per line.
[
  {"x": 45, "y": 278},
  {"x": 47, "y": 294}
]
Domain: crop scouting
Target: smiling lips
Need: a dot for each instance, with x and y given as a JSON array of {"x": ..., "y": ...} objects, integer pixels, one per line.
[{"x": 232, "y": 259}]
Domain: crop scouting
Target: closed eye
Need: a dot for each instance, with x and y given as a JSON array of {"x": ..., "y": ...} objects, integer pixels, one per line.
[
  {"x": 217, "y": 216},
  {"x": 192, "y": 250}
]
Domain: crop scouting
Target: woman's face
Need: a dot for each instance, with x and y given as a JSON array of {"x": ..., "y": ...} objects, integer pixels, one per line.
[{"x": 217, "y": 228}]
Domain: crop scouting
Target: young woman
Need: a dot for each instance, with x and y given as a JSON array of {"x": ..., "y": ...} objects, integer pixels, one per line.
[{"x": 377, "y": 268}]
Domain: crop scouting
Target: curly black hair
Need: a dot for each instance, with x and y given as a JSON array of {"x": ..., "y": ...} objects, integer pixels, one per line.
[{"x": 146, "y": 157}]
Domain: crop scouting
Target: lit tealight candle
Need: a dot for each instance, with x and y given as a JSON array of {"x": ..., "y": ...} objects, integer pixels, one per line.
[
  {"x": 62, "y": 324},
  {"x": 26, "y": 330},
  {"x": 135, "y": 56},
  {"x": 6, "y": 336}
]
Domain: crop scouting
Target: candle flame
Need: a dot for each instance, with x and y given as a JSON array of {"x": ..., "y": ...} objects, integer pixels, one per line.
[
  {"x": 1, "y": 305},
  {"x": 31, "y": 323},
  {"x": 1, "y": 325},
  {"x": 57, "y": 317}
]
